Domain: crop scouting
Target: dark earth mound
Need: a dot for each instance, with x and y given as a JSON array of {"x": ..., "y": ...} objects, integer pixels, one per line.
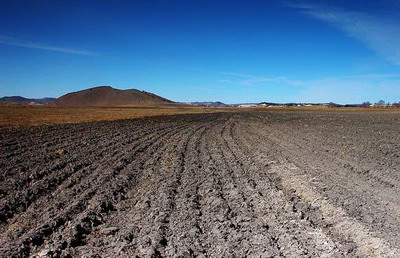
[
  {"x": 211, "y": 185},
  {"x": 108, "y": 96}
]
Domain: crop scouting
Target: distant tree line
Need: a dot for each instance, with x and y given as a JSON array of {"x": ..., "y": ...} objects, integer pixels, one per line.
[
  {"x": 380, "y": 103},
  {"x": 289, "y": 104}
]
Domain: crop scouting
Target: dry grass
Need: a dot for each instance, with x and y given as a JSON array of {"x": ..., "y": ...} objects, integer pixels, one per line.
[
  {"x": 329, "y": 109},
  {"x": 15, "y": 115}
]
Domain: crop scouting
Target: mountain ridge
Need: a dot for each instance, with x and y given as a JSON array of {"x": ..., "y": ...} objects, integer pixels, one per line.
[
  {"x": 23, "y": 100},
  {"x": 208, "y": 103}
]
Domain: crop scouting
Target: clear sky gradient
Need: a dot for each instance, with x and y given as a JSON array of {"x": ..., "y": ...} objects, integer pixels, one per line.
[{"x": 230, "y": 51}]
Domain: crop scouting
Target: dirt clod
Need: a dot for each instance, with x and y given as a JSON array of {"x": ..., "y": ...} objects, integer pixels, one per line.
[{"x": 109, "y": 231}]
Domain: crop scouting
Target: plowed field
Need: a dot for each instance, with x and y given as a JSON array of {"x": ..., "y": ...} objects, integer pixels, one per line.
[{"x": 255, "y": 184}]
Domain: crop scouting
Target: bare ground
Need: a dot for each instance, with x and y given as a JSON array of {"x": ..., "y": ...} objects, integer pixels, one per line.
[
  {"x": 256, "y": 184},
  {"x": 21, "y": 115}
]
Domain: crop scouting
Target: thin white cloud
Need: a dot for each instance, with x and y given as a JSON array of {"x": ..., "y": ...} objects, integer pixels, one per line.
[
  {"x": 20, "y": 43},
  {"x": 286, "y": 81},
  {"x": 251, "y": 80},
  {"x": 374, "y": 75},
  {"x": 379, "y": 33}
]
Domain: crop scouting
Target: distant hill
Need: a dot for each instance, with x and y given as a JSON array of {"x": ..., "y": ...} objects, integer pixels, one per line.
[
  {"x": 108, "y": 96},
  {"x": 209, "y": 104},
  {"x": 22, "y": 100}
]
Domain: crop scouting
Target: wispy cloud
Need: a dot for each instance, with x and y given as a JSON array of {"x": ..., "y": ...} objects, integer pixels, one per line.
[
  {"x": 380, "y": 34},
  {"x": 283, "y": 80},
  {"x": 251, "y": 80},
  {"x": 20, "y": 43},
  {"x": 370, "y": 76}
]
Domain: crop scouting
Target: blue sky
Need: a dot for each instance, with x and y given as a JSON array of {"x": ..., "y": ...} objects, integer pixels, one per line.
[{"x": 230, "y": 51}]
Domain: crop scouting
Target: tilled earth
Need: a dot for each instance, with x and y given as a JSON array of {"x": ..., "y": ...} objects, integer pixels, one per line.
[{"x": 250, "y": 184}]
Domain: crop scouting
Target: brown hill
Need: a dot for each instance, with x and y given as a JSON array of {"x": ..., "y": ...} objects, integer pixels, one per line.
[{"x": 108, "y": 96}]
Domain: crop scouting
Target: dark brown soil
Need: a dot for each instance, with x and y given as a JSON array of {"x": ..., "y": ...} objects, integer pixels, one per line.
[{"x": 256, "y": 184}]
